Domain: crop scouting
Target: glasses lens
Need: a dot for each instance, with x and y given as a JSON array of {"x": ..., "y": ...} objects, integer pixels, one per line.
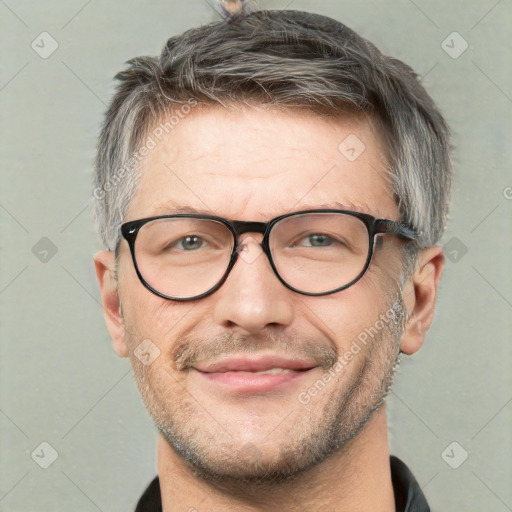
[
  {"x": 183, "y": 257},
  {"x": 319, "y": 252}
]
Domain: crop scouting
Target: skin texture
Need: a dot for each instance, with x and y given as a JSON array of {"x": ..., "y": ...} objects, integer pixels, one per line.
[{"x": 221, "y": 451}]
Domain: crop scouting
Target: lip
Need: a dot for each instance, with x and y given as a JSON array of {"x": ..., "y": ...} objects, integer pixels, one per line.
[
  {"x": 255, "y": 364},
  {"x": 238, "y": 374}
]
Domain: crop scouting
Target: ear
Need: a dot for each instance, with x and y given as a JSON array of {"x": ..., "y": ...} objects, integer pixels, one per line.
[
  {"x": 104, "y": 261},
  {"x": 420, "y": 298}
]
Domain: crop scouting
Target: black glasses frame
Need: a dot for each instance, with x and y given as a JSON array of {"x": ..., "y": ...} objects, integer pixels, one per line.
[{"x": 374, "y": 226}]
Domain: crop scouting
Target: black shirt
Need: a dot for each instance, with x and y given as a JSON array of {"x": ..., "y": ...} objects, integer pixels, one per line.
[{"x": 408, "y": 495}]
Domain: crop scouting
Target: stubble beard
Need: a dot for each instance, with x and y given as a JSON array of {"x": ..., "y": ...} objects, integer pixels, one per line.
[{"x": 318, "y": 435}]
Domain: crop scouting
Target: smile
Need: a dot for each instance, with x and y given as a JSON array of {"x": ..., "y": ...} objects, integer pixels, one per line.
[{"x": 255, "y": 375}]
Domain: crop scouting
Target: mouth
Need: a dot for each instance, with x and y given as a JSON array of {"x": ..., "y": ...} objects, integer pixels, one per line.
[{"x": 244, "y": 375}]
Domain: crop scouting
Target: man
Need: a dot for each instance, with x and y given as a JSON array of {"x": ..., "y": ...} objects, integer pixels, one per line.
[{"x": 270, "y": 191}]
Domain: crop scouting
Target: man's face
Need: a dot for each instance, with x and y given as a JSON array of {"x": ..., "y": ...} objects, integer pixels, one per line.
[{"x": 254, "y": 165}]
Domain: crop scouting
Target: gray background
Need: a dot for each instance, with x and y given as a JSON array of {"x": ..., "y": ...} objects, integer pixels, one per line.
[{"x": 61, "y": 382}]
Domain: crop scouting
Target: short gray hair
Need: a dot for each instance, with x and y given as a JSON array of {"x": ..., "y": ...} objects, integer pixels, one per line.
[{"x": 289, "y": 59}]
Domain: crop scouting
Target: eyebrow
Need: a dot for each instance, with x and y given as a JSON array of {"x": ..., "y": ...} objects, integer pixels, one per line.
[
  {"x": 336, "y": 205},
  {"x": 172, "y": 208}
]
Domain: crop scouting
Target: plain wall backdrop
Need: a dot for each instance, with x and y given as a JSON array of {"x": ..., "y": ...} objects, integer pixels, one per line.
[{"x": 61, "y": 383}]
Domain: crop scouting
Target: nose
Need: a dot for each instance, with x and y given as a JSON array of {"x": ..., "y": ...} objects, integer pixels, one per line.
[{"x": 252, "y": 298}]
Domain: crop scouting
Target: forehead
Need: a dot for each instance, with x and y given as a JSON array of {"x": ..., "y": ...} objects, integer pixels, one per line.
[{"x": 256, "y": 163}]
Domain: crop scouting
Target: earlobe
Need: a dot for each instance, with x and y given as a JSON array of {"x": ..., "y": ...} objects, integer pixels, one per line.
[
  {"x": 104, "y": 262},
  {"x": 420, "y": 298}
]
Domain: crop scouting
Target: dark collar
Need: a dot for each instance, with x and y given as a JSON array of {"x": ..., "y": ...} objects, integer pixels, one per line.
[{"x": 408, "y": 495}]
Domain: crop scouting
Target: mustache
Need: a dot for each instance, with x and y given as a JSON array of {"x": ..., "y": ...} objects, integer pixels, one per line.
[{"x": 189, "y": 350}]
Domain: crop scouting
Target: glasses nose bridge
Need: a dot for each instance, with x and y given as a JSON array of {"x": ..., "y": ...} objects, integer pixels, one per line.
[{"x": 241, "y": 227}]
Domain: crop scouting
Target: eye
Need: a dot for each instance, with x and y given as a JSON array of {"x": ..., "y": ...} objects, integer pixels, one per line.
[
  {"x": 189, "y": 243},
  {"x": 316, "y": 240}
]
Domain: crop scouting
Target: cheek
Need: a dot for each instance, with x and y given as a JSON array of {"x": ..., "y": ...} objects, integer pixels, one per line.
[
  {"x": 343, "y": 316},
  {"x": 155, "y": 319},
  {"x": 145, "y": 315}
]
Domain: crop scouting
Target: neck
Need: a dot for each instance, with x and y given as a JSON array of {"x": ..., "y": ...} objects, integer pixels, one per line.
[{"x": 356, "y": 479}]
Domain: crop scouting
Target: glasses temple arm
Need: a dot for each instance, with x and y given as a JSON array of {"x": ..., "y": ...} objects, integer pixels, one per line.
[{"x": 395, "y": 228}]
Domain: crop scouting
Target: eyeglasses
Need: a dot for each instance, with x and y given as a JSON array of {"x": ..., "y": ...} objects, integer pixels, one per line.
[{"x": 313, "y": 252}]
